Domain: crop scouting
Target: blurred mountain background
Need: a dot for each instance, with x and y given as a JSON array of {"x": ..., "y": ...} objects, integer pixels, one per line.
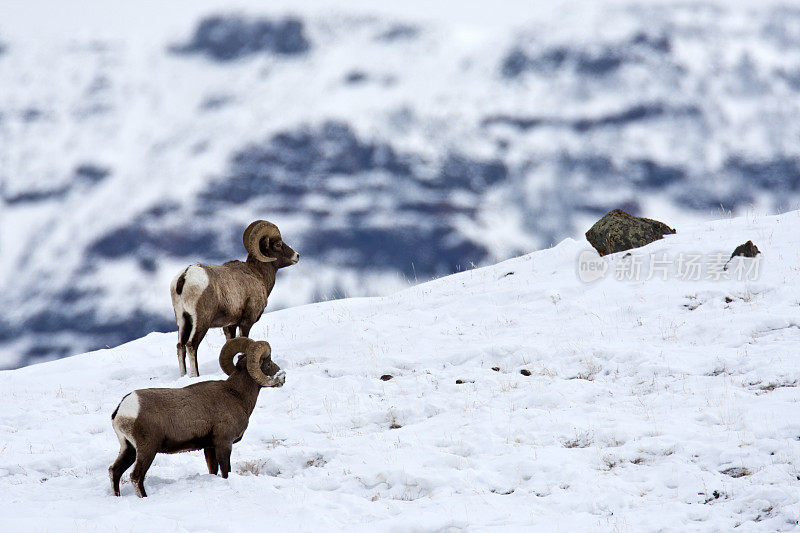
[{"x": 390, "y": 143}]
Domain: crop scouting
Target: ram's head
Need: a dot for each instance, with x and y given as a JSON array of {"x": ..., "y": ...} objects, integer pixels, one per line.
[
  {"x": 256, "y": 360},
  {"x": 263, "y": 241}
]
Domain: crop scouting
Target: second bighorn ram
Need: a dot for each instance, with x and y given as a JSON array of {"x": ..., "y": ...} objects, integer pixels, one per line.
[
  {"x": 210, "y": 416},
  {"x": 231, "y": 295}
]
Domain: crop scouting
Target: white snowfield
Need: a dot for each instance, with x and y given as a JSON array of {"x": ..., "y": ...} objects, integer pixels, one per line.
[{"x": 651, "y": 405}]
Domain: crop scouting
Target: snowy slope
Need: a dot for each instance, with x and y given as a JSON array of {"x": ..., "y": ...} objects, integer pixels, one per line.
[
  {"x": 391, "y": 142},
  {"x": 660, "y": 405}
]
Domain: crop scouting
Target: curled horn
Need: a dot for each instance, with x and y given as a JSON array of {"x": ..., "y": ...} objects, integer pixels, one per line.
[
  {"x": 256, "y": 352},
  {"x": 229, "y": 351},
  {"x": 252, "y": 237},
  {"x": 249, "y": 230}
]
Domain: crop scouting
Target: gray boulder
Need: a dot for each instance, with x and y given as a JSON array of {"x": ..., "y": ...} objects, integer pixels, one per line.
[{"x": 618, "y": 231}]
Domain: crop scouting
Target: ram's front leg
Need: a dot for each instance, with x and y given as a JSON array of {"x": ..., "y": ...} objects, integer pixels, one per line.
[
  {"x": 211, "y": 460},
  {"x": 223, "y": 453}
]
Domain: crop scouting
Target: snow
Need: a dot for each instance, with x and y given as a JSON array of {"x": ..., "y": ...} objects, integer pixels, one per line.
[{"x": 660, "y": 405}]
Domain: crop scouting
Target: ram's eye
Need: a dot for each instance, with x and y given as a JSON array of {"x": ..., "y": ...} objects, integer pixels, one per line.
[{"x": 278, "y": 245}]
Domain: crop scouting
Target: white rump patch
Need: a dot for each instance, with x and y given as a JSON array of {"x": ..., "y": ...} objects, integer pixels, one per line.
[
  {"x": 196, "y": 276},
  {"x": 129, "y": 407},
  {"x": 196, "y": 282},
  {"x": 128, "y": 410}
]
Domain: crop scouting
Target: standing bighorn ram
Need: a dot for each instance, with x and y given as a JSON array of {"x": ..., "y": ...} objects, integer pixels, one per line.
[
  {"x": 230, "y": 295},
  {"x": 211, "y": 415}
]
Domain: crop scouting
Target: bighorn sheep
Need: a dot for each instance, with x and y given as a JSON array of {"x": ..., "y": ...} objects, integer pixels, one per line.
[
  {"x": 233, "y": 294},
  {"x": 211, "y": 415}
]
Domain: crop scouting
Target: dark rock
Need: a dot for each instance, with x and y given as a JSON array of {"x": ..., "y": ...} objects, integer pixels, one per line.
[
  {"x": 657, "y": 43},
  {"x": 637, "y": 113},
  {"x": 591, "y": 62},
  {"x": 496, "y": 368},
  {"x": 162, "y": 209},
  {"x": 215, "y": 101},
  {"x": 525, "y": 372},
  {"x": 522, "y": 123},
  {"x": 514, "y": 64},
  {"x": 634, "y": 114},
  {"x": 618, "y": 231},
  {"x": 148, "y": 264},
  {"x": 90, "y": 173},
  {"x": 747, "y": 249},
  {"x": 230, "y": 37},
  {"x": 398, "y": 32},
  {"x": 600, "y": 63},
  {"x": 355, "y": 77},
  {"x": 36, "y": 196},
  {"x": 386, "y": 377}
]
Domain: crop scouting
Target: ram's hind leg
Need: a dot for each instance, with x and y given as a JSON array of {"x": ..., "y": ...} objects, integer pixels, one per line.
[
  {"x": 185, "y": 326},
  {"x": 182, "y": 358},
  {"x": 191, "y": 349},
  {"x": 192, "y": 352},
  {"x": 126, "y": 457},
  {"x": 211, "y": 460},
  {"x": 144, "y": 458}
]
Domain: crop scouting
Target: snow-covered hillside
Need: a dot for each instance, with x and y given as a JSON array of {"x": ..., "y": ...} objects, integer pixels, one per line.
[
  {"x": 660, "y": 405},
  {"x": 391, "y": 143}
]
